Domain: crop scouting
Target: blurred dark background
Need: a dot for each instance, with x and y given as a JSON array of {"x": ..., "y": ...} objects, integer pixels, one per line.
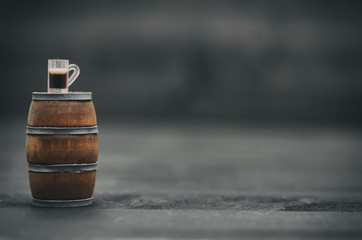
[{"x": 282, "y": 61}]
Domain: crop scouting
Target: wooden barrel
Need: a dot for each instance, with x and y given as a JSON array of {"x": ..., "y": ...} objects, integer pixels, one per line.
[{"x": 62, "y": 149}]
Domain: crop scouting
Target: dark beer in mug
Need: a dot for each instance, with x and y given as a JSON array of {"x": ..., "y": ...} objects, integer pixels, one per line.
[{"x": 58, "y": 79}]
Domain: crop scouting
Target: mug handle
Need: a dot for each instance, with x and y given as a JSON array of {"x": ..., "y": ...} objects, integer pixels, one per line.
[{"x": 75, "y": 74}]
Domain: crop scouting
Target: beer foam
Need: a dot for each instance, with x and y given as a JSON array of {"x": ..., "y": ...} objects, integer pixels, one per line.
[{"x": 57, "y": 70}]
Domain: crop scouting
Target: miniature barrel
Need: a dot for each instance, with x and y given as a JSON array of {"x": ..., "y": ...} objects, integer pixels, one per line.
[{"x": 62, "y": 149}]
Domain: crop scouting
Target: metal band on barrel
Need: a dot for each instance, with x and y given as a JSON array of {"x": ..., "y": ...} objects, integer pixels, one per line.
[
  {"x": 70, "y": 96},
  {"x": 38, "y": 168},
  {"x": 61, "y": 130},
  {"x": 62, "y": 203}
]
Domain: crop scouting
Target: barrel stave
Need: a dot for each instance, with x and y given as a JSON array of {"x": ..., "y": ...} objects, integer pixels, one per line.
[
  {"x": 62, "y": 149},
  {"x": 62, "y": 114},
  {"x": 62, "y": 186}
]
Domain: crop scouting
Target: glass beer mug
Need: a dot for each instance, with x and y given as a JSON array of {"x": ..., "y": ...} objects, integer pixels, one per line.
[{"x": 58, "y": 75}]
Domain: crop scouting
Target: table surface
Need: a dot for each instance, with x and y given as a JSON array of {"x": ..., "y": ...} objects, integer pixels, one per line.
[{"x": 198, "y": 180}]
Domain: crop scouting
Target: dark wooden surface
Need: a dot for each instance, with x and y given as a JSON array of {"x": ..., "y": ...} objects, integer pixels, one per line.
[
  {"x": 62, "y": 114},
  {"x": 198, "y": 180}
]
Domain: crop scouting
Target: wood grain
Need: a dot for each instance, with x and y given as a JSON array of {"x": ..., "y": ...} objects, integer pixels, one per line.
[
  {"x": 62, "y": 114},
  {"x": 62, "y": 186},
  {"x": 62, "y": 149}
]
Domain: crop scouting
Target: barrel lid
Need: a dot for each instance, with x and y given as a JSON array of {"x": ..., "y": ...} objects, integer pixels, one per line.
[{"x": 70, "y": 96}]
